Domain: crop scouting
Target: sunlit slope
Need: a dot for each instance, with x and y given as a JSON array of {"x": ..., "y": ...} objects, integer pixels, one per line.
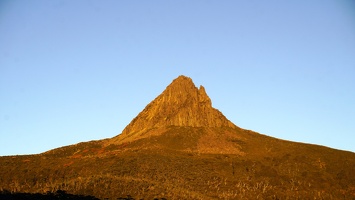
[{"x": 180, "y": 147}]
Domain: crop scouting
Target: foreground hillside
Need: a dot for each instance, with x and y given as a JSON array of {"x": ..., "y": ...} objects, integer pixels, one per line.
[
  {"x": 180, "y": 147},
  {"x": 272, "y": 169}
]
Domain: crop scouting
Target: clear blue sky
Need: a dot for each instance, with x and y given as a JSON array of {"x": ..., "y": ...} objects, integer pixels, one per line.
[{"x": 74, "y": 71}]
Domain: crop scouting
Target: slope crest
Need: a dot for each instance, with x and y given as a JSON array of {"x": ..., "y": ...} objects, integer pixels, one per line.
[{"x": 180, "y": 104}]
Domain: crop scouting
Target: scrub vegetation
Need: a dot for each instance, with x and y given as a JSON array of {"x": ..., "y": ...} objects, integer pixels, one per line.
[{"x": 153, "y": 168}]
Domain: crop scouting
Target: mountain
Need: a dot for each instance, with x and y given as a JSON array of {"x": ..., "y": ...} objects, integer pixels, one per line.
[
  {"x": 180, "y": 104},
  {"x": 180, "y": 147}
]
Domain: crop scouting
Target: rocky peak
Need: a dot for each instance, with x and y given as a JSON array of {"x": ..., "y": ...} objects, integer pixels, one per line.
[
  {"x": 180, "y": 104},
  {"x": 203, "y": 97}
]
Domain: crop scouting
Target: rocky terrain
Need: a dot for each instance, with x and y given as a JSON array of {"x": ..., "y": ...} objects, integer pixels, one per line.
[{"x": 180, "y": 147}]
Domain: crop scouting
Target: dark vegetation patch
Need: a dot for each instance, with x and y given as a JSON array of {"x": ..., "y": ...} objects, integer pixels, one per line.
[{"x": 58, "y": 195}]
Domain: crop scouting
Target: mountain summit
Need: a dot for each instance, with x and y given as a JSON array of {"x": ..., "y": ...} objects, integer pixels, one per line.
[
  {"x": 180, "y": 104},
  {"x": 181, "y": 118}
]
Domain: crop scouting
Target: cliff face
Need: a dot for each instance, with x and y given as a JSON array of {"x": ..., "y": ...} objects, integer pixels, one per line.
[{"x": 180, "y": 104}]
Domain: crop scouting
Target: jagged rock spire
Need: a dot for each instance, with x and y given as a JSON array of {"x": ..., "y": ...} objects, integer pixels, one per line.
[{"x": 180, "y": 104}]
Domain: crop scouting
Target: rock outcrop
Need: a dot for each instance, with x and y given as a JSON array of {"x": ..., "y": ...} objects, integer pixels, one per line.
[{"x": 180, "y": 104}]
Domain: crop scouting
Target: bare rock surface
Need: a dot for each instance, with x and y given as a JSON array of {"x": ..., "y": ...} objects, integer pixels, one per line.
[{"x": 180, "y": 104}]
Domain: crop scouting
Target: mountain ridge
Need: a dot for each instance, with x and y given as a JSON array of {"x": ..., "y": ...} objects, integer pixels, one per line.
[
  {"x": 195, "y": 154},
  {"x": 180, "y": 104}
]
